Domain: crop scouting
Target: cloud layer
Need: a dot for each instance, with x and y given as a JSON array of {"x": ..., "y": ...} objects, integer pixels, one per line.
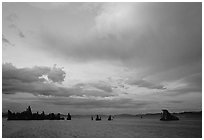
[
  {"x": 46, "y": 81},
  {"x": 114, "y": 55}
]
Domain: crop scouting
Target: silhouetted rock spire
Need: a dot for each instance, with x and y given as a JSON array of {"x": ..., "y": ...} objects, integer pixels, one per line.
[
  {"x": 69, "y": 117},
  {"x": 109, "y": 118},
  {"x": 98, "y": 118},
  {"x": 29, "y": 110},
  {"x": 166, "y": 116},
  {"x": 10, "y": 115}
]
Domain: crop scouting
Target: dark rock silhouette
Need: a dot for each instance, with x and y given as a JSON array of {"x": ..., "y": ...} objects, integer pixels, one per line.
[
  {"x": 69, "y": 117},
  {"x": 28, "y": 115},
  {"x": 10, "y": 115},
  {"x": 109, "y": 118},
  {"x": 98, "y": 118},
  {"x": 166, "y": 116}
]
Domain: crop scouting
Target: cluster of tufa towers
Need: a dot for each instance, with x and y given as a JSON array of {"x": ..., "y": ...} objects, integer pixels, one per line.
[{"x": 28, "y": 115}]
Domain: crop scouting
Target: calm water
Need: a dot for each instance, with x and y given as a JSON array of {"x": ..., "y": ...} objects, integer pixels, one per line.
[{"x": 119, "y": 127}]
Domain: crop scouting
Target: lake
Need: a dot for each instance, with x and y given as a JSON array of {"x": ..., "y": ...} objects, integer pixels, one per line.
[{"x": 121, "y": 127}]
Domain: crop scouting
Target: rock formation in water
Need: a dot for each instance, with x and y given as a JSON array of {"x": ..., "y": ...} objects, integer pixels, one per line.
[
  {"x": 166, "y": 116},
  {"x": 28, "y": 115},
  {"x": 98, "y": 118},
  {"x": 69, "y": 117},
  {"x": 109, "y": 118}
]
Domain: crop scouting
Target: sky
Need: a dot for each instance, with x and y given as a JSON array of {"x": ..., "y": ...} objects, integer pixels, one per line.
[{"x": 105, "y": 58}]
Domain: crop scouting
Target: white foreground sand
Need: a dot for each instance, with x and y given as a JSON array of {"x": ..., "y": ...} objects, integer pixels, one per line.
[{"x": 119, "y": 127}]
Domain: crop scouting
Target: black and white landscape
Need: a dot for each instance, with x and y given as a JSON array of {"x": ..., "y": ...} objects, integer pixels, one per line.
[{"x": 127, "y": 60}]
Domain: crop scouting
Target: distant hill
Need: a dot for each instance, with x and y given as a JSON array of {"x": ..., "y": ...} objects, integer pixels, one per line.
[{"x": 182, "y": 114}]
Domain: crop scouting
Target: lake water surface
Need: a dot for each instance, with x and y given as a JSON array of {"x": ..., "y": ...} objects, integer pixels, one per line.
[{"x": 118, "y": 128}]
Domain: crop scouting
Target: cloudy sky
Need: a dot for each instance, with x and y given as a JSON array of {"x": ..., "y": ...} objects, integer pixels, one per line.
[{"x": 110, "y": 58}]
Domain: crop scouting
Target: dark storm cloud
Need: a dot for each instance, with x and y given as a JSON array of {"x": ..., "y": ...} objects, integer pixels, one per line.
[
  {"x": 13, "y": 86},
  {"x": 34, "y": 74},
  {"x": 29, "y": 79},
  {"x": 41, "y": 81},
  {"x": 10, "y": 72}
]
